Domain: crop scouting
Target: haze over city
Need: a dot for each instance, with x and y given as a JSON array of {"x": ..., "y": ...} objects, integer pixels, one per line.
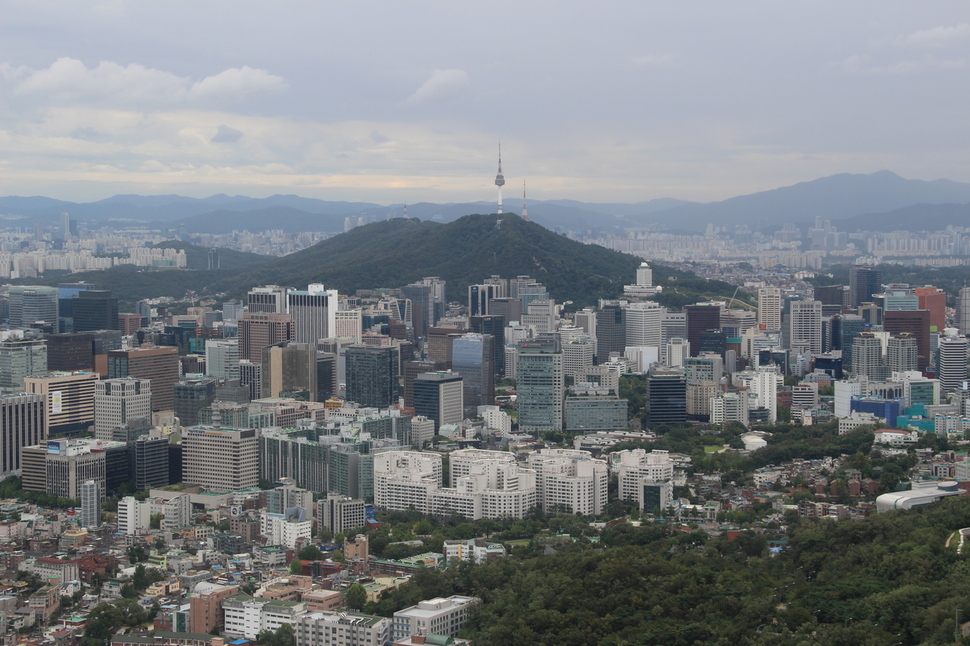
[{"x": 402, "y": 103}]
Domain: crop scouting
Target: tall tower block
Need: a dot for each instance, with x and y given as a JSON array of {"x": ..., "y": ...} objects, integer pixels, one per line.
[
  {"x": 499, "y": 178},
  {"x": 525, "y": 209}
]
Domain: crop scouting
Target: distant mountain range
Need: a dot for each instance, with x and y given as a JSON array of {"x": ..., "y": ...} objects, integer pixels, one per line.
[{"x": 860, "y": 201}]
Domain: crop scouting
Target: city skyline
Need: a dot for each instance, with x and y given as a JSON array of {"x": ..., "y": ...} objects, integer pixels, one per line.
[{"x": 629, "y": 102}]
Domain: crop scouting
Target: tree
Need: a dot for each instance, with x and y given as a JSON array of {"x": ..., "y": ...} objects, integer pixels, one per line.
[
  {"x": 356, "y": 596},
  {"x": 128, "y": 591},
  {"x": 310, "y": 553},
  {"x": 155, "y": 521},
  {"x": 326, "y": 535},
  {"x": 296, "y": 566}
]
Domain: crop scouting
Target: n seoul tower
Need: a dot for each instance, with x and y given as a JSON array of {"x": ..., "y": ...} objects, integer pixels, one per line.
[{"x": 499, "y": 178}]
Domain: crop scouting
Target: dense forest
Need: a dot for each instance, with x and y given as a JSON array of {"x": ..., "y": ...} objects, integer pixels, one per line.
[{"x": 890, "y": 579}]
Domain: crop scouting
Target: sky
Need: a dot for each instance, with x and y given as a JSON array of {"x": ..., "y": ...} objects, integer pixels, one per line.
[{"x": 387, "y": 102}]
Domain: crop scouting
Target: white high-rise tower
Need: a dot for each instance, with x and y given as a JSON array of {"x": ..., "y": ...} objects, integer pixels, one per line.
[
  {"x": 499, "y": 178},
  {"x": 525, "y": 209}
]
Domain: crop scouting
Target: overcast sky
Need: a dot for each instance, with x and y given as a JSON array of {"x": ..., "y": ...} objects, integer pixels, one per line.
[{"x": 407, "y": 101}]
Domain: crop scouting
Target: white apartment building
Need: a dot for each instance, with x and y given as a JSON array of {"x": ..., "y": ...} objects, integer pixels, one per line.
[
  {"x": 806, "y": 325},
  {"x": 280, "y": 529},
  {"x": 643, "y": 476},
  {"x": 570, "y": 480},
  {"x": 406, "y": 478},
  {"x": 119, "y": 401},
  {"x": 495, "y": 419},
  {"x": 133, "y": 516},
  {"x": 342, "y": 629},
  {"x": 247, "y": 616},
  {"x": 433, "y": 617}
]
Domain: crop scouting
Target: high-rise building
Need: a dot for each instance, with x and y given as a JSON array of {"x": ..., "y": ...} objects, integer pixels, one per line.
[
  {"x": 90, "y": 504},
  {"x": 480, "y": 295},
  {"x": 917, "y": 323},
  {"x": 642, "y": 322},
  {"x": 261, "y": 330},
  {"x": 19, "y": 359},
  {"x": 349, "y": 325},
  {"x": 540, "y": 384},
  {"x": 610, "y": 330},
  {"x": 963, "y": 311},
  {"x": 313, "y": 312},
  {"x": 23, "y": 422},
  {"x": 806, "y": 325},
  {"x": 427, "y": 303},
  {"x": 269, "y": 299},
  {"x": 295, "y": 454},
  {"x": 340, "y": 513},
  {"x": 493, "y": 325},
  {"x": 439, "y": 343},
  {"x": 411, "y": 370},
  {"x": 667, "y": 396},
  {"x": 159, "y": 364},
  {"x": 192, "y": 394},
  {"x": 863, "y": 283},
  {"x": 439, "y": 397},
  {"x": 473, "y": 357},
  {"x": 578, "y": 350},
  {"x": 372, "y": 375},
  {"x": 933, "y": 299},
  {"x": 95, "y": 309},
  {"x": 119, "y": 402},
  {"x": 676, "y": 352},
  {"x": 851, "y": 325},
  {"x": 867, "y": 357},
  {"x": 133, "y": 515},
  {"x": 770, "y": 307},
  {"x": 149, "y": 460},
  {"x": 220, "y": 459},
  {"x": 32, "y": 303},
  {"x": 289, "y": 370},
  {"x": 953, "y": 362},
  {"x": 645, "y": 477},
  {"x": 701, "y": 318},
  {"x": 222, "y": 358},
  {"x": 901, "y": 352},
  {"x": 70, "y": 399}
]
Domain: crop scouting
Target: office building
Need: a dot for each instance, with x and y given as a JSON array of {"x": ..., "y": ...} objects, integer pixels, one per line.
[
  {"x": 439, "y": 396},
  {"x": 701, "y": 318},
  {"x": 372, "y": 375},
  {"x": 438, "y": 346},
  {"x": 427, "y": 298},
  {"x": 588, "y": 413},
  {"x": 250, "y": 376},
  {"x": 570, "y": 481},
  {"x": 21, "y": 358},
  {"x": 205, "y": 605},
  {"x": 578, "y": 350},
  {"x": 479, "y": 297},
  {"x": 90, "y": 504},
  {"x": 159, "y": 364},
  {"x": 313, "y": 312},
  {"x": 540, "y": 384},
  {"x": 473, "y": 357},
  {"x": 493, "y": 325},
  {"x": 411, "y": 370},
  {"x": 149, "y": 460},
  {"x": 295, "y": 454},
  {"x": 867, "y": 357},
  {"x": 916, "y": 323},
  {"x": 191, "y": 395},
  {"x": 220, "y": 459},
  {"x": 289, "y": 369},
  {"x": 95, "y": 309},
  {"x": 863, "y": 283},
  {"x": 134, "y": 516},
  {"x": 70, "y": 399},
  {"x": 261, "y": 330},
  {"x": 23, "y": 423},
  {"x": 222, "y": 358},
  {"x": 349, "y": 325},
  {"x": 769, "y": 308},
  {"x": 952, "y": 362},
  {"x": 120, "y": 402},
  {"x": 677, "y": 350},
  {"x": 642, "y": 322},
  {"x": 667, "y": 396},
  {"x": 269, "y": 299},
  {"x": 340, "y": 513},
  {"x": 30, "y": 304},
  {"x": 610, "y": 330},
  {"x": 806, "y": 325}
]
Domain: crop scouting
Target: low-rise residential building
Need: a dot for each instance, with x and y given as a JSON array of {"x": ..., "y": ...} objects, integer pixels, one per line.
[
  {"x": 433, "y": 617},
  {"x": 247, "y": 616},
  {"x": 342, "y": 629},
  {"x": 476, "y": 550}
]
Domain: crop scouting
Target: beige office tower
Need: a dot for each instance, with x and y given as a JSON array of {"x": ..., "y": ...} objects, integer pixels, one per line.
[
  {"x": 70, "y": 400},
  {"x": 221, "y": 459},
  {"x": 769, "y": 308},
  {"x": 117, "y": 402}
]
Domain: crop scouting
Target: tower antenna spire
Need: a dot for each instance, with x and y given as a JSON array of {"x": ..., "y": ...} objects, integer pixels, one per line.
[
  {"x": 525, "y": 209},
  {"x": 499, "y": 178}
]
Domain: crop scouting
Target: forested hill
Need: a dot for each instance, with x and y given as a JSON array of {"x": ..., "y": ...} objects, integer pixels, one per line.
[{"x": 399, "y": 251}]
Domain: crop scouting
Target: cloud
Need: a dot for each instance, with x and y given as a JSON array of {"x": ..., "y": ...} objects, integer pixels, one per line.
[
  {"x": 226, "y": 135},
  {"x": 68, "y": 79},
  {"x": 653, "y": 61},
  {"x": 935, "y": 37},
  {"x": 443, "y": 85},
  {"x": 378, "y": 138},
  {"x": 864, "y": 65}
]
